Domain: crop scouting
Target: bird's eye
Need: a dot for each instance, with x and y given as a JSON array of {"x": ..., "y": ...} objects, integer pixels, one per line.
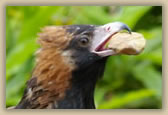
[{"x": 84, "y": 41}]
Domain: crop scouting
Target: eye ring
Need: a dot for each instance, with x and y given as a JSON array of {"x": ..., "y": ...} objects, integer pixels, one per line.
[{"x": 84, "y": 41}]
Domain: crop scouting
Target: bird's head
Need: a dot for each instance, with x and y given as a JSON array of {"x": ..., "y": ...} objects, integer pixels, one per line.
[{"x": 81, "y": 45}]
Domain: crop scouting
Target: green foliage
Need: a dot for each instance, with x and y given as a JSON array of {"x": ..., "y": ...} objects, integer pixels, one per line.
[
  {"x": 128, "y": 81},
  {"x": 127, "y": 98}
]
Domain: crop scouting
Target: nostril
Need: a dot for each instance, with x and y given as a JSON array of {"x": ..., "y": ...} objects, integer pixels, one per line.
[{"x": 108, "y": 28}]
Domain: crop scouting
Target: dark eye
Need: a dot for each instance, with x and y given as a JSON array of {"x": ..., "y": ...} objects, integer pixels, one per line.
[{"x": 84, "y": 41}]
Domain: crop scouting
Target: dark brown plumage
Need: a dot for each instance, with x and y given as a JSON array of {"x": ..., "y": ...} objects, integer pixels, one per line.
[{"x": 67, "y": 66}]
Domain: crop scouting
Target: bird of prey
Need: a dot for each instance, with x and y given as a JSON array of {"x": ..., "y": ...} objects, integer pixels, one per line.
[{"x": 70, "y": 61}]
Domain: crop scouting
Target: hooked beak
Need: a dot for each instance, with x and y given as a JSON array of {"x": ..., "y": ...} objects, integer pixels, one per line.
[{"x": 102, "y": 35}]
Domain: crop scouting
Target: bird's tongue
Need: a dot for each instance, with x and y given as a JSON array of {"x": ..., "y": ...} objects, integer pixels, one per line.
[{"x": 124, "y": 43}]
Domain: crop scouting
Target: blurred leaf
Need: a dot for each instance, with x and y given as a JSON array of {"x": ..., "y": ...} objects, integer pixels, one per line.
[
  {"x": 36, "y": 22},
  {"x": 119, "y": 101},
  {"x": 150, "y": 74},
  {"x": 18, "y": 56},
  {"x": 131, "y": 14}
]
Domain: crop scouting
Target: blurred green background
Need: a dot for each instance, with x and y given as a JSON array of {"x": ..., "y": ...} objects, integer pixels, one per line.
[{"x": 128, "y": 82}]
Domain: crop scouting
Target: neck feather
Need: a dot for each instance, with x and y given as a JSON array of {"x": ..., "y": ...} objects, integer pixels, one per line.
[
  {"x": 55, "y": 84},
  {"x": 81, "y": 93},
  {"x": 50, "y": 79}
]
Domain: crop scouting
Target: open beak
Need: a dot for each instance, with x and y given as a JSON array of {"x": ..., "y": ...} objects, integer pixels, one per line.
[{"x": 102, "y": 35}]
